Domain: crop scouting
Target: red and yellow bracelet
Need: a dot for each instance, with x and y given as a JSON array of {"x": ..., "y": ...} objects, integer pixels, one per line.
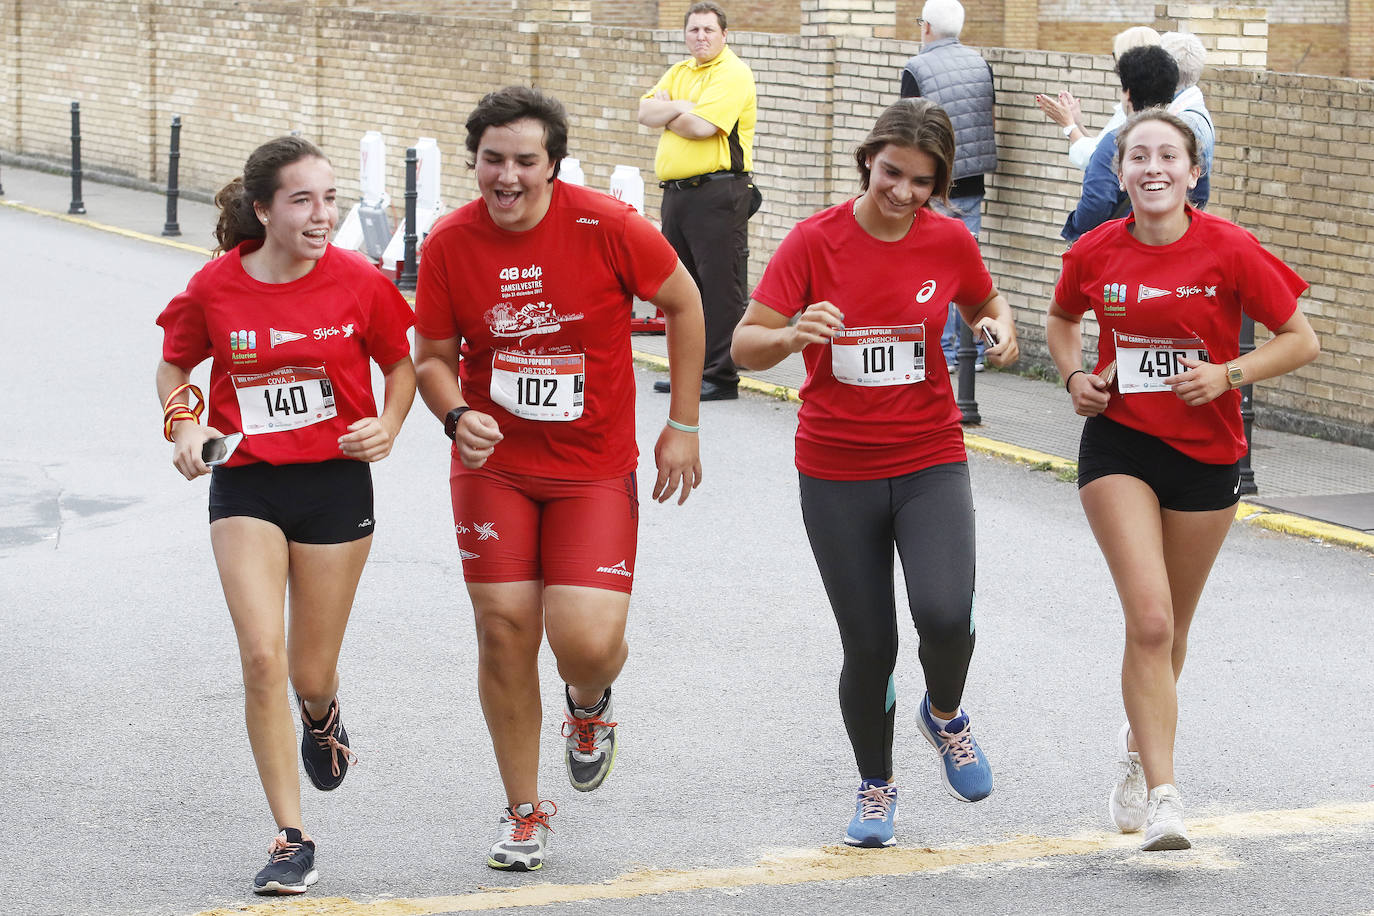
[{"x": 172, "y": 410}]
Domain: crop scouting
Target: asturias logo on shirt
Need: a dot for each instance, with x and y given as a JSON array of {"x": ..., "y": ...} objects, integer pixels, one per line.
[{"x": 243, "y": 346}]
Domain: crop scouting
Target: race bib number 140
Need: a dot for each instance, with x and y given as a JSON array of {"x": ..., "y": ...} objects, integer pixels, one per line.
[
  {"x": 1143, "y": 363},
  {"x": 286, "y": 398}
]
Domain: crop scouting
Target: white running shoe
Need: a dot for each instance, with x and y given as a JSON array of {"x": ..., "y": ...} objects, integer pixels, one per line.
[
  {"x": 1129, "y": 798},
  {"x": 589, "y": 751},
  {"x": 521, "y": 837},
  {"x": 1164, "y": 823}
]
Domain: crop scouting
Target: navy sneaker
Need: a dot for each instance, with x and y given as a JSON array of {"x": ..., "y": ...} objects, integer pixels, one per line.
[
  {"x": 324, "y": 748},
  {"x": 290, "y": 867},
  {"x": 875, "y": 814},
  {"x": 963, "y": 767}
]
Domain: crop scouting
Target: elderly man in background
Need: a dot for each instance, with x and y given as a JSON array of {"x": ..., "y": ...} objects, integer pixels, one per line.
[
  {"x": 1188, "y": 52},
  {"x": 957, "y": 79}
]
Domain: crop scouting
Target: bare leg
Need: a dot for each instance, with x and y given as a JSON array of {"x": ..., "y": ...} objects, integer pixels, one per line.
[
  {"x": 323, "y": 579},
  {"x": 510, "y": 627},
  {"x": 252, "y": 557},
  {"x": 586, "y": 628}
]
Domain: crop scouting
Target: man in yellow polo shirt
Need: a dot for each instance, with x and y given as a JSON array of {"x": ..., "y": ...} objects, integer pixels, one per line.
[{"x": 707, "y": 108}]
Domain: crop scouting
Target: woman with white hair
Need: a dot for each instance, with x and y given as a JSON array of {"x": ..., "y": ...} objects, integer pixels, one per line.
[
  {"x": 1186, "y": 49},
  {"x": 1066, "y": 111}
]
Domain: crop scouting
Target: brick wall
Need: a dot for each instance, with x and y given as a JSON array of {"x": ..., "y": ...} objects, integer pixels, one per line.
[
  {"x": 1292, "y": 163},
  {"x": 1308, "y": 49},
  {"x": 10, "y": 68}
]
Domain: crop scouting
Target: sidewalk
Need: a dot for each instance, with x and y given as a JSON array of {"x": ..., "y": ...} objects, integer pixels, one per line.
[{"x": 1307, "y": 487}]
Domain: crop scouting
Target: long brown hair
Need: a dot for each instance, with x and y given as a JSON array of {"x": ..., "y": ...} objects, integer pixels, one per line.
[{"x": 238, "y": 221}]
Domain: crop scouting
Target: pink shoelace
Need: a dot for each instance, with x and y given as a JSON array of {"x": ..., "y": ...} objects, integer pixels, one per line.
[
  {"x": 282, "y": 848},
  {"x": 959, "y": 746},
  {"x": 876, "y": 801},
  {"x": 324, "y": 737}
]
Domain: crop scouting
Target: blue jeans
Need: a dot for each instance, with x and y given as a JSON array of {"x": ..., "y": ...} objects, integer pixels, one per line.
[{"x": 970, "y": 210}]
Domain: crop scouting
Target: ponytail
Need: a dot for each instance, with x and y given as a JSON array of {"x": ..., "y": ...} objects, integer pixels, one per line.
[{"x": 237, "y": 221}]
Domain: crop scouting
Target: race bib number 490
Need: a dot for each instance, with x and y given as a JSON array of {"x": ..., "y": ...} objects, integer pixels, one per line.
[
  {"x": 547, "y": 388},
  {"x": 1143, "y": 363},
  {"x": 286, "y": 398},
  {"x": 875, "y": 357}
]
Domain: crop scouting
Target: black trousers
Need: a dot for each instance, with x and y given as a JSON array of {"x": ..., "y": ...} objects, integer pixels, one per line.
[{"x": 708, "y": 226}]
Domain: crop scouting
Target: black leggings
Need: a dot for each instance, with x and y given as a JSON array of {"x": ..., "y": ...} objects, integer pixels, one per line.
[{"x": 852, "y": 526}]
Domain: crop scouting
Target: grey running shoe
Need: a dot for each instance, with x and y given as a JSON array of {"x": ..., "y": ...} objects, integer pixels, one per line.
[
  {"x": 522, "y": 836},
  {"x": 290, "y": 867},
  {"x": 591, "y": 744},
  {"x": 1164, "y": 822},
  {"x": 324, "y": 748},
  {"x": 1129, "y": 798}
]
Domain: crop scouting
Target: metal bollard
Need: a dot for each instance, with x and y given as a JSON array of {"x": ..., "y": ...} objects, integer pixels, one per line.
[
  {"x": 76, "y": 205},
  {"x": 1247, "y": 410},
  {"x": 173, "y": 158},
  {"x": 407, "y": 278},
  {"x": 2, "y": 186},
  {"x": 967, "y": 355}
]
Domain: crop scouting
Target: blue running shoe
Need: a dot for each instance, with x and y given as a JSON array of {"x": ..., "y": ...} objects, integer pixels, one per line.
[
  {"x": 963, "y": 767},
  {"x": 874, "y": 815}
]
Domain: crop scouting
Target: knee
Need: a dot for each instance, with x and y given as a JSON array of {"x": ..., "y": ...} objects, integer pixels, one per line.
[
  {"x": 1150, "y": 630},
  {"x": 943, "y": 630},
  {"x": 588, "y": 656},
  {"x": 264, "y": 668},
  {"x": 500, "y": 637}
]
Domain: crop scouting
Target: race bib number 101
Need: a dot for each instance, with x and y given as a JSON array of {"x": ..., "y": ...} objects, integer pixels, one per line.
[
  {"x": 875, "y": 357},
  {"x": 548, "y": 388},
  {"x": 286, "y": 398},
  {"x": 1143, "y": 363}
]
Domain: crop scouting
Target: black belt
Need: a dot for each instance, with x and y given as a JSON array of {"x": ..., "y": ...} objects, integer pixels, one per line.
[{"x": 682, "y": 184}]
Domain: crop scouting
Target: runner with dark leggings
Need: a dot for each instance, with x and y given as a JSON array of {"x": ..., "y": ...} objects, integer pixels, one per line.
[
  {"x": 859, "y": 289},
  {"x": 852, "y": 526}
]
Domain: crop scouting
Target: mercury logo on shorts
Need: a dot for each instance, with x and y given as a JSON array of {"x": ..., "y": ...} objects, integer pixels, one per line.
[{"x": 616, "y": 570}]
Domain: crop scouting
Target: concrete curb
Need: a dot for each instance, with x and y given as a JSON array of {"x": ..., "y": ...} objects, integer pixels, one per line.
[{"x": 1248, "y": 513}]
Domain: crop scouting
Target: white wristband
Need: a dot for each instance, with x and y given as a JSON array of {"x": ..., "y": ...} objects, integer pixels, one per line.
[{"x": 1068, "y": 131}]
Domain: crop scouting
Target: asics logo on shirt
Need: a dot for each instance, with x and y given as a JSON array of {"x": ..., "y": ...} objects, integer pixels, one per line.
[{"x": 926, "y": 291}]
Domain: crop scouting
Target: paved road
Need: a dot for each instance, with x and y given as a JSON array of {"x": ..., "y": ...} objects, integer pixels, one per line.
[{"x": 129, "y": 787}]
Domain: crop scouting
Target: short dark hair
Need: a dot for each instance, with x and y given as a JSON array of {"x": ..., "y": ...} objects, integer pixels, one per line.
[
  {"x": 513, "y": 103},
  {"x": 916, "y": 123},
  {"x": 1150, "y": 75},
  {"x": 705, "y": 6},
  {"x": 238, "y": 221}
]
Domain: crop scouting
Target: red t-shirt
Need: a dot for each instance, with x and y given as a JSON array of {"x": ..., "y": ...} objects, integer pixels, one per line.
[
  {"x": 544, "y": 322},
  {"x": 293, "y": 355},
  {"x": 1198, "y": 287},
  {"x": 867, "y": 432}
]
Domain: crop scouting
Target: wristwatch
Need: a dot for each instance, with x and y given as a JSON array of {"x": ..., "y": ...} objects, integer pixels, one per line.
[
  {"x": 451, "y": 420},
  {"x": 1235, "y": 375},
  {"x": 1068, "y": 131}
]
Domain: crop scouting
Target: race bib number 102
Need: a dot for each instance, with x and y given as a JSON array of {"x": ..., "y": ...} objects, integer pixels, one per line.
[
  {"x": 873, "y": 357},
  {"x": 1143, "y": 363},
  {"x": 547, "y": 388},
  {"x": 286, "y": 398}
]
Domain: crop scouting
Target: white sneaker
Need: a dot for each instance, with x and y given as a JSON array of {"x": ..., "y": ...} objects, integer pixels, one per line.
[
  {"x": 1129, "y": 798},
  {"x": 521, "y": 837},
  {"x": 1164, "y": 823}
]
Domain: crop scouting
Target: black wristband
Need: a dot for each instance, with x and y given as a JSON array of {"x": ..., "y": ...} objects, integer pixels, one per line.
[
  {"x": 451, "y": 421},
  {"x": 1071, "y": 375}
]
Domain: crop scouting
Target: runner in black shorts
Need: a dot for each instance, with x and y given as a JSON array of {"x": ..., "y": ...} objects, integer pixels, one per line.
[
  {"x": 1158, "y": 463},
  {"x": 291, "y": 325}
]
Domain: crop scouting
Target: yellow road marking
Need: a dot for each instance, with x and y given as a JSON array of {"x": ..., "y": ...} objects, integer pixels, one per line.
[
  {"x": 114, "y": 230},
  {"x": 837, "y": 863}
]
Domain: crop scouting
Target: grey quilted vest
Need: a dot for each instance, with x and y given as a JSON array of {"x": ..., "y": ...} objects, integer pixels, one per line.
[{"x": 959, "y": 81}]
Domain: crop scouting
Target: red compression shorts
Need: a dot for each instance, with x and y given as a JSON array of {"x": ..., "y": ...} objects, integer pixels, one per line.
[{"x": 517, "y": 528}]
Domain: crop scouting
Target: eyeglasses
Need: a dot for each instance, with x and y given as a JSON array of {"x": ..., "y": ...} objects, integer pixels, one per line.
[{"x": 920, "y": 21}]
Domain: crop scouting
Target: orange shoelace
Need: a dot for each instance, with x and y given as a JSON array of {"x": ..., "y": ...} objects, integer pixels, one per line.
[
  {"x": 522, "y": 825},
  {"x": 583, "y": 731}
]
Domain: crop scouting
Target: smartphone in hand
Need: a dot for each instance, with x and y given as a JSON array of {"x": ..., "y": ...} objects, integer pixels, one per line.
[
  {"x": 217, "y": 451},
  {"x": 989, "y": 335}
]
